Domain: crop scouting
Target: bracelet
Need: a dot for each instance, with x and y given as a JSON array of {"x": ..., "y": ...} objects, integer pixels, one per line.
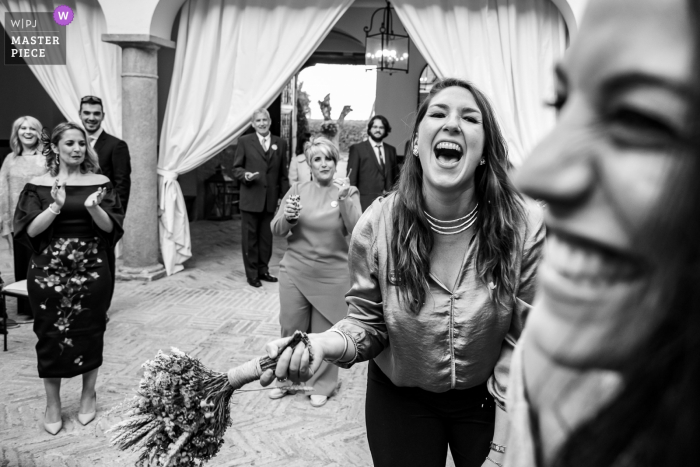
[
  {"x": 497, "y": 447},
  {"x": 345, "y": 350},
  {"x": 54, "y": 212},
  {"x": 493, "y": 461}
]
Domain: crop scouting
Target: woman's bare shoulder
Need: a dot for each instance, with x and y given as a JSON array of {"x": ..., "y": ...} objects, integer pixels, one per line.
[
  {"x": 45, "y": 179},
  {"x": 97, "y": 179}
]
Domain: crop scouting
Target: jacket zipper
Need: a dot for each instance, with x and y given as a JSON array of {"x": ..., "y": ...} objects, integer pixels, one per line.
[
  {"x": 453, "y": 371},
  {"x": 453, "y": 368}
]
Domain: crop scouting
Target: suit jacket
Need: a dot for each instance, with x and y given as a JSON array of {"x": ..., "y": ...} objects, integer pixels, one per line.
[
  {"x": 367, "y": 175},
  {"x": 272, "y": 183},
  {"x": 115, "y": 163}
]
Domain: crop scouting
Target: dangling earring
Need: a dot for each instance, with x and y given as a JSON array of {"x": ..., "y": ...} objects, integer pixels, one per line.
[
  {"x": 483, "y": 162},
  {"x": 415, "y": 149},
  {"x": 58, "y": 161}
]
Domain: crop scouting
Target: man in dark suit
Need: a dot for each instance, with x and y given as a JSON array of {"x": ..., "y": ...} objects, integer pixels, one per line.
[
  {"x": 112, "y": 152},
  {"x": 113, "y": 156},
  {"x": 261, "y": 166},
  {"x": 372, "y": 164}
]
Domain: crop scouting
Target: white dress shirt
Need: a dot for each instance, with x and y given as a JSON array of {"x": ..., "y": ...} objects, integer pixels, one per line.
[
  {"x": 93, "y": 137},
  {"x": 381, "y": 159},
  {"x": 264, "y": 141}
]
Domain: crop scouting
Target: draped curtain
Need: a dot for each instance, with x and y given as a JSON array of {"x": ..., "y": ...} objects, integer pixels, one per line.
[
  {"x": 92, "y": 67},
  {"x": 507, "y": 48},
  {"x": 232, "y": 57}
]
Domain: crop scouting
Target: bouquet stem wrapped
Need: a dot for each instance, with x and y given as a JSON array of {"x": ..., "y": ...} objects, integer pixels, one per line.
[{"x": 182, "y": 410}]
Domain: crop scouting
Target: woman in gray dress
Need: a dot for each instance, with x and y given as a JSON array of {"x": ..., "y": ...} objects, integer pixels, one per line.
[{"x": 318, "y": 216}]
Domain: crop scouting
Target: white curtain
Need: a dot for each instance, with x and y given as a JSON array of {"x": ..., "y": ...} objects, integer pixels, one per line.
[
  {"x": 92, "y": 67},
  {"x": 232, "y": 57},
  {"x": 507, "y": 48}
]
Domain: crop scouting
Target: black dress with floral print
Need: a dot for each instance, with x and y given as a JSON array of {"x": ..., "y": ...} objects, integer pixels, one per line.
[{"x": 69, "y": 280}]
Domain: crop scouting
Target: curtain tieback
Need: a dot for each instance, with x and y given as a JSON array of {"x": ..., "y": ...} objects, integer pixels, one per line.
[{"x": 168, "y": 174}]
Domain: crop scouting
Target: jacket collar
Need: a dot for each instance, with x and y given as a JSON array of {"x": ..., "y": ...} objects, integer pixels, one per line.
[
  {"x": 101, "y": 139},
  {"x": 370, "y": 148},
  {"x": 259, "y": 147}
]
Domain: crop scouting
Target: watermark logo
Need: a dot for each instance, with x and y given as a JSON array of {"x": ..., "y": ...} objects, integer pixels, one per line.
[
  {"x": 63, "y": 15},
  {"x": 36, "y": 38}
]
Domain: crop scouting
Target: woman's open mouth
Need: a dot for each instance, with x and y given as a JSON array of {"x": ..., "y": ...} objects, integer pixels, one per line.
[
  {"x": 448, "y": 154},
  {"x": 578, "y": 272}
]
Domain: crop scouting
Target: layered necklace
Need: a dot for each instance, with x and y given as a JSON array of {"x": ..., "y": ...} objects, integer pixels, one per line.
[{"x": 453, "y": 226}]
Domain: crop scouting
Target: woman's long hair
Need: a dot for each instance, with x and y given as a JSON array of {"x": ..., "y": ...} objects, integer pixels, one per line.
[
  {"x": 500, "y": 213},
  {"x": 89, "y": 165},
  {"x": 15, "y": 144},
  {"x": 655, "y": 419}
]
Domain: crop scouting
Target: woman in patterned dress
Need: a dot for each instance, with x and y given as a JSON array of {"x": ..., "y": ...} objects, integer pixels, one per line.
[
  {"x": 21, "y": 165},
  {"x": 69, "y": 217}
]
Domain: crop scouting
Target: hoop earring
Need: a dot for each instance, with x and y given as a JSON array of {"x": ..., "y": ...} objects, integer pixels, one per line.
[{"x": 483, "y": 162}]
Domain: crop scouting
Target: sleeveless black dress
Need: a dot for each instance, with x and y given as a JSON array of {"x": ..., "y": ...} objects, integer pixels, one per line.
[{"x": 69, "y": 281}]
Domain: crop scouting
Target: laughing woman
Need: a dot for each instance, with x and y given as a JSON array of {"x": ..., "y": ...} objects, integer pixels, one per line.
[
  {"x": 607, "y": 372},
  {"x": 69, "y": 217},
  {"x": 442, "y": 273}
]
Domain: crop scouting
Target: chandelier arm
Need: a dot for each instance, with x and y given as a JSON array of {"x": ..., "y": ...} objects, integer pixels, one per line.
[
  {"x": 368, "y": 29},
  {"x": 390, "y": 19}
]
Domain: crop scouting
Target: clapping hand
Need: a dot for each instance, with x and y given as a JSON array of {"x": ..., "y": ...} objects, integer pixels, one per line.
[
  {"x": 96, "y": 198},
  {"x": 292, "y": 208},
  {"x": 58, "y": 193}
]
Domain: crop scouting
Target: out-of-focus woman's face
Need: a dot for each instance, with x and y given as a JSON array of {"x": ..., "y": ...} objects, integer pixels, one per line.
[
  {"x": 451, "y": 139},
  {"x": 28, "y": 135},
  {"x": 322, "y": 167},
  {"x": 71, "y": 148},
  {"x": 604, "y": 172}
]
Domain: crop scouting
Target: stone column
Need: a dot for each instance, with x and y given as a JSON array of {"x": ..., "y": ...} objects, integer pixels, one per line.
[{"x": 140, "y": 131}]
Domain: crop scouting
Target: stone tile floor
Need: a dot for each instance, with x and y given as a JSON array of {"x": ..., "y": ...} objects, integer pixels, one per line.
[{"x": 209, "y": 311}]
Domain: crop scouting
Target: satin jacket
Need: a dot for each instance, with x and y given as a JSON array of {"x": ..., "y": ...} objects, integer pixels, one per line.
[{"x": 460, "y": 338}]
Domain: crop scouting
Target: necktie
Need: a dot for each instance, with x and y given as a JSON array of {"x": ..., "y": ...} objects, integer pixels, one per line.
[
  {"x": 381, "y": 156},
  {"x": 266, "y": 147}
]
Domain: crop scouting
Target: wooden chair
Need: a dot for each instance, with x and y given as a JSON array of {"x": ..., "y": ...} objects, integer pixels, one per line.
[{"x": 16, "y": 289}]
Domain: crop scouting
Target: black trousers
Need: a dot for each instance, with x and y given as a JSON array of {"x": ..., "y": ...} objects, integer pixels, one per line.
[
  {"x": 22, "y": 257},
  {"x": 413, "y": 427},
  {"x": 256, "y": 242}
]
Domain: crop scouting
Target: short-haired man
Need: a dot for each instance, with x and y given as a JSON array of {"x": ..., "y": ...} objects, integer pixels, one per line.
[
  {"x": 113, "y": 156},
  {"x": 112, "y": 152},
  {"x": 260, "y": 165},
  {"x": 372, "y": 164}
]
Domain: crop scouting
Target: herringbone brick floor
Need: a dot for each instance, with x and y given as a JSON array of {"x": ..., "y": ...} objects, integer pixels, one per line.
[{"x": 209, "y": 311}]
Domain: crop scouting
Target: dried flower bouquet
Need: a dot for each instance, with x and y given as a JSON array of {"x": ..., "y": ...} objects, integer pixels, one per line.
[{"x": 182, "y": 410}]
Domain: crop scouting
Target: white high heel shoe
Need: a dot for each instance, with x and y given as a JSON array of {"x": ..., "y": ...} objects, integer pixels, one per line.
[
  {"x": 85, "y": 418},
  {"x": 52, "y": 428}
]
